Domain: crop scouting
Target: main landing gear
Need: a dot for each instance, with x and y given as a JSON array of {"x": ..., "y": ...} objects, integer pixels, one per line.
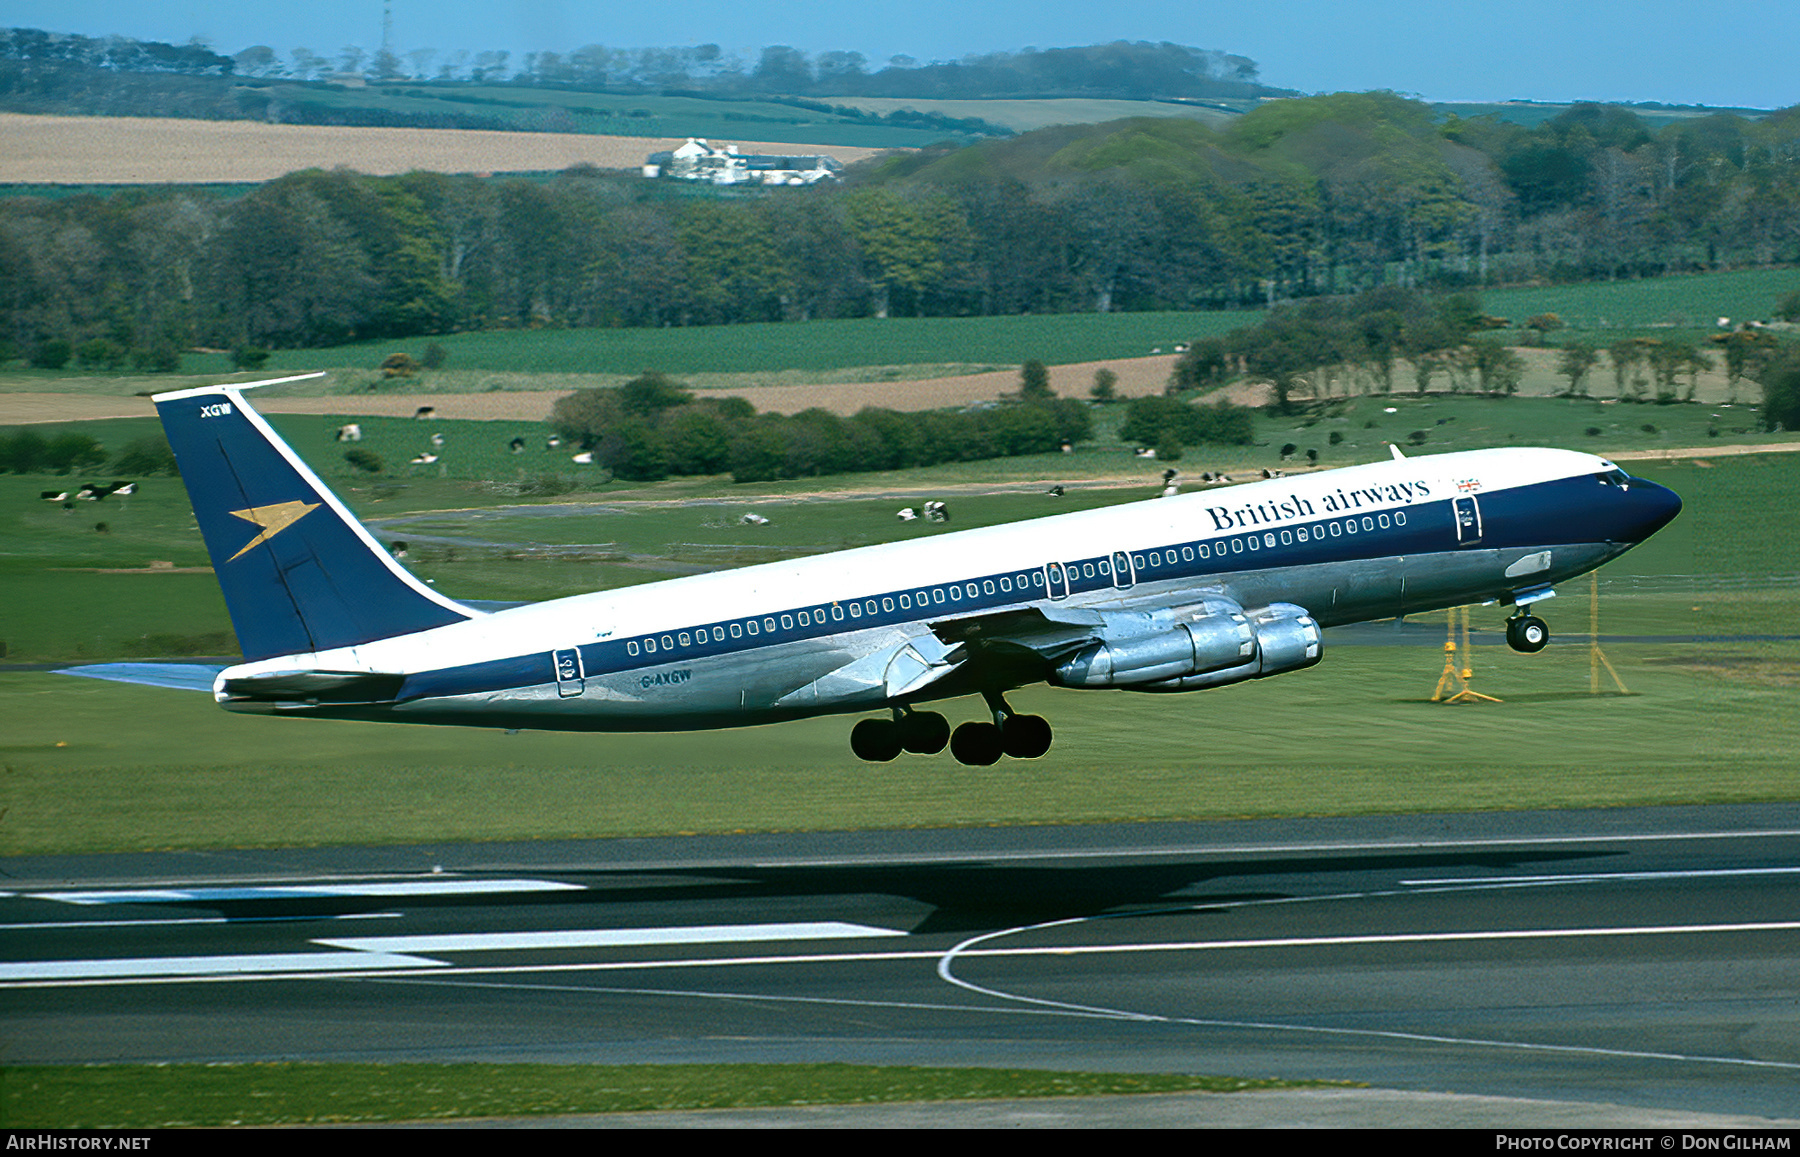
[
  {"x": 978, "y": 744},
  {"x": 1527, "y": 633}
]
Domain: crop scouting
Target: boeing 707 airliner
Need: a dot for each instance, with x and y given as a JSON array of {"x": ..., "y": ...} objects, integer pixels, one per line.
[{"x": 1175, "y": 594}]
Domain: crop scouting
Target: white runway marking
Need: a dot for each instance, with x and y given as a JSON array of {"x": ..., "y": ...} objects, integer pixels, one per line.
[
  {"x": 200, "y": 966},
  {"x": 1597, "y": 877},
  {"x": 610, "y": 937},
  {"x": 309, "y": 891},
  {"x": 173, "y": 922},
  {"x": 1394, "y": 938}
]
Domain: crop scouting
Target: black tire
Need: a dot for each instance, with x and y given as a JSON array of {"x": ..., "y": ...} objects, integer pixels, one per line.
[
  {"x": 976, "y": 744},
  {"x": 924, "y": 732},
  {"x": 876, "y": 740},
  {"x": 1027, "y": 736},
  {"x": 1527, "y": 634}
]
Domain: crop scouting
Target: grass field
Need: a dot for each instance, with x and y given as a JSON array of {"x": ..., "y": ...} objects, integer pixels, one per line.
[
  {"x": 1604, "y": 311},
  {"x": 234, "y": 1096},
  {"x": 40, "y": 151},
  {"x": 803, "y": 345}
]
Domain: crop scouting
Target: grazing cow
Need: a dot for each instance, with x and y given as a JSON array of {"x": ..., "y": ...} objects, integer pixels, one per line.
[
  {"x": 753, "y": 520},
  {"x": 907, "y": 514},
  {"x": 424, "y": 459},
  {"x": 54, "y": 495},
  {"x": 437, "y": 441},
  {"x": 425, "y": 412},
  {"x": 552, "y": 442},
  {"x": 350, "y": 433},
  {"x": 937, "y": 512},
  {"x": 1055, "y": 491},
  {"x": 518, "y": 445},
  {"x": 585, "y": 458}
]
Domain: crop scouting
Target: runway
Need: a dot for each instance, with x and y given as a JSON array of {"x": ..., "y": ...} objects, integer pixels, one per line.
[{"x": 1632, "y": 957}]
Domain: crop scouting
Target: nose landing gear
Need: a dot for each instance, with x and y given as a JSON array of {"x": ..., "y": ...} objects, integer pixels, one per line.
[{"x": 1527, "y": 633}]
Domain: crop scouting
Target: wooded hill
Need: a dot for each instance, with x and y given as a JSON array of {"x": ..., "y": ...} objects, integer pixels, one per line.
[{"x": 1299, "y": 198}]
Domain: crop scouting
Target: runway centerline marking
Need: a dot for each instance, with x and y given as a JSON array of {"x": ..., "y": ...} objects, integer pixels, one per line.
[{"x": 609, "y": 937}]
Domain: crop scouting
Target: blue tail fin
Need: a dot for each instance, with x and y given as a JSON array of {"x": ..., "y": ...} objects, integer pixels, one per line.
[{"x": 299, "y": 572}]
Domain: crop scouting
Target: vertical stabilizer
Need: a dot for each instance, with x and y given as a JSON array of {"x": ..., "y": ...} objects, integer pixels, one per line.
[{"x": 299, "y": 573}]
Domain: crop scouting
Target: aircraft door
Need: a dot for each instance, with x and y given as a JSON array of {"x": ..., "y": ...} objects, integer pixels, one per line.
[
  {"x": 570, "y": 680},
  {"x": 1056, "y": 580},
  {"x": 1124, "y": 574},
  {"x": 1468, "y": 520}
]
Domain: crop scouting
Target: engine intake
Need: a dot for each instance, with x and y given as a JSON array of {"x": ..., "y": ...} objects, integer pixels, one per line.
[{"x": 1208, "y": 652}]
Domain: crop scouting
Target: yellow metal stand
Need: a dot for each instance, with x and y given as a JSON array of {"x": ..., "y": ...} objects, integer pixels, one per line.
[
  {"x": 1459, "y": 676},
  {"x": 1597, "y": 657}
]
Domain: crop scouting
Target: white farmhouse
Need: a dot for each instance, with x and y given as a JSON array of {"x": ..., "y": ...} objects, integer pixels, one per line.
[{"x": 699, "y": 161}]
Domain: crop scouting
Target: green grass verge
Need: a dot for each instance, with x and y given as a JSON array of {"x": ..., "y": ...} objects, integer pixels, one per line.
[
  {"x": 217, "y": 1096},
  {"x": 90, "y": 766}
]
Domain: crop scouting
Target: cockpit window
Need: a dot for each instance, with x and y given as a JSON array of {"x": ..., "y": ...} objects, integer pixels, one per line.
[{"x": 1614, "y": 477}]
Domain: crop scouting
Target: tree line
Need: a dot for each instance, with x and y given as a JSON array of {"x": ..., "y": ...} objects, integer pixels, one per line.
[
  {"x": 652, "y": 427},
  {"x": 119, "y": 76},
  {"x": 1121, "y": 69},
  {"x": 1299, "y": 199}
]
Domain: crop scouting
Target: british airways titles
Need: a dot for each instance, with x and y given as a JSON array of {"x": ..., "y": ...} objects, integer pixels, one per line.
[{"x": 1296, "y": 507}]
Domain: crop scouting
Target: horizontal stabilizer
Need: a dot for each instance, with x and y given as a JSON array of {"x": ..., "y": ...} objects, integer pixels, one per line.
[{"x": 180, "y": 676}]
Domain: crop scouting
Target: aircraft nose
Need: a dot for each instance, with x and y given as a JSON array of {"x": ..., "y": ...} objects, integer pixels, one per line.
[{"x": 1653, "y": 507}]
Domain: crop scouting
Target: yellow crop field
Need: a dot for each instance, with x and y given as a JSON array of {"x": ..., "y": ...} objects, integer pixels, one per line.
[{"x": 61, "y": 150}]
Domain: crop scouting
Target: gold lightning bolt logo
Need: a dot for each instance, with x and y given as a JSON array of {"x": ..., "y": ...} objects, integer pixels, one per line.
[{"x": 273, "y": 519}]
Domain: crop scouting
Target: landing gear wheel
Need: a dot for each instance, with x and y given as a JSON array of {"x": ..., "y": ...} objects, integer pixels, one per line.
[
  {"x": 1527, "y": 633},
  {"x": 1026, "y": 736},
  {"x": 923, "y": 732},
  {"x": 876, "y": 740},
  {"x": 976, "y": 744}
]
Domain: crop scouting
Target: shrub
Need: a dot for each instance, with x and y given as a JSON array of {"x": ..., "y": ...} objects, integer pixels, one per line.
[
  {"x": 53, "y": 354},
  {"x": 100, "y": 354},
  {"x": 366, "y": 461},
  {"x": 149, "y": 455},
  {"x": 162, "y": 358}
]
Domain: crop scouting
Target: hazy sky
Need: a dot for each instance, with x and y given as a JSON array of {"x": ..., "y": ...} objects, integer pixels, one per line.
[{"x": 1735, "y": 52}]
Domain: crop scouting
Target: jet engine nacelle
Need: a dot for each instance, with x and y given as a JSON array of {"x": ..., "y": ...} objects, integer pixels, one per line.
[{"x": 1208, "y": 652}]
